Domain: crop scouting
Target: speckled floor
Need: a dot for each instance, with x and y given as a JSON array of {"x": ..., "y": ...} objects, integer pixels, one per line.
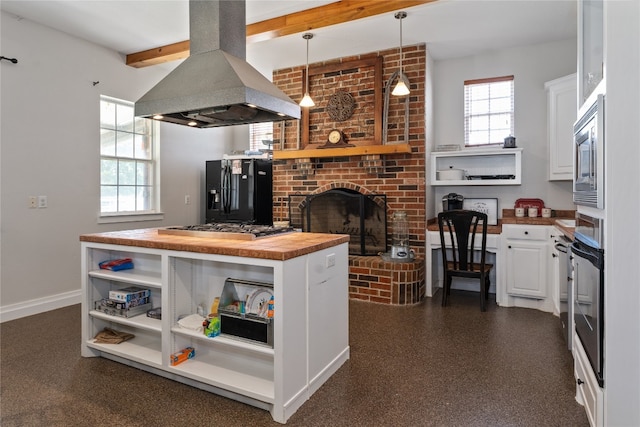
[{"x": 410, "y": 366}]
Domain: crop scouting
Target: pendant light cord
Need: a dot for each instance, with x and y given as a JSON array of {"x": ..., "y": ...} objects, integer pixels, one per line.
[
  {"x": 306, "y": 89},
  {"x": 401, "y": 16},
  {"x": 306, "y": 99}
]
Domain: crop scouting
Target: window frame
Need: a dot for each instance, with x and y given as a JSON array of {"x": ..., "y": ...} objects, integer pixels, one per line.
[
  {"x": 154, "y": 212},
  {"x": 255, "y": 141},
  {"x": 468, "y": 100}
]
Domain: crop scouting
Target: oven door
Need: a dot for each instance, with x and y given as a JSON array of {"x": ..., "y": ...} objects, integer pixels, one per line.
[{"x": 588, "y": 299}]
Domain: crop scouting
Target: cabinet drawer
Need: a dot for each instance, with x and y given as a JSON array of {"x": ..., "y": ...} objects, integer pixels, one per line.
[
  {"x": 525, "y": 232},
  {"x": 588, "y": 389}
]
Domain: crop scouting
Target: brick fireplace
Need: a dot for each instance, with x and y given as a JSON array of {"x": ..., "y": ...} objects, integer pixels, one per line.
[{"x": 400, "y": 177}]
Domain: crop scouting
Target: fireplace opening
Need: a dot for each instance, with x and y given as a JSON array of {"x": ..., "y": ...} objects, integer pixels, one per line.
[{"x": 344, "y": 211}]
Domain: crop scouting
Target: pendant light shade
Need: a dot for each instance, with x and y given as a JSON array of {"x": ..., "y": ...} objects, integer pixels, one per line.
[
  {"x": 306, "y": 99},
  {"x": 402, "y": 88}
]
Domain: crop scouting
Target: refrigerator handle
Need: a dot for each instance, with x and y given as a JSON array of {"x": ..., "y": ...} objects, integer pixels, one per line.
[{"x": 226, "y": 189}]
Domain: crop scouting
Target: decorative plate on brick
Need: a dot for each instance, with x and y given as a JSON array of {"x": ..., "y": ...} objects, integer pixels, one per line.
[{"x": 341, "y": 106}]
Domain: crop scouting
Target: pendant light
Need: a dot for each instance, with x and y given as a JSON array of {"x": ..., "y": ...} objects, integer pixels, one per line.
[
  {"x": 306, "y": 99},
  {"x": 402, "y": 88}
]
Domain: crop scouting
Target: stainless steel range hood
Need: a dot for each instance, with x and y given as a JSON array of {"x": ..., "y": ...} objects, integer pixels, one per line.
[{"x": 215, "y": 86}]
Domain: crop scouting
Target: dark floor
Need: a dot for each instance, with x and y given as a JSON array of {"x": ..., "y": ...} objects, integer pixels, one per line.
[{"x": 410, "y": 366}]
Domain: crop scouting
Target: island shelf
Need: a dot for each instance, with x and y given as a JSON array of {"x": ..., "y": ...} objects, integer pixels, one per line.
[{"x": 310, "y": 330}]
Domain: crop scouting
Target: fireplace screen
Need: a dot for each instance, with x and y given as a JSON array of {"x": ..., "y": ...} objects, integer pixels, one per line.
[{"x": 344, "y": 211}]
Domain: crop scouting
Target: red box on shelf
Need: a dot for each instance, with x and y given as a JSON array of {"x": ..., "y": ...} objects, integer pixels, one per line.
[{"x": 182, "y": 355}]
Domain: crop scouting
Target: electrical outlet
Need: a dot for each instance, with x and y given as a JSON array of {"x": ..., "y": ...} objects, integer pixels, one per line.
[
  {"x": 331, "y": 260},
  {"x": 42, "y": 202},
  {"x": 33, "y": 202},
  {"x": 187, "y": 199}
]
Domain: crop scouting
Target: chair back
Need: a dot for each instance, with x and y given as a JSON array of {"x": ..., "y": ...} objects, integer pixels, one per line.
[{"x": 462, "y": 226}]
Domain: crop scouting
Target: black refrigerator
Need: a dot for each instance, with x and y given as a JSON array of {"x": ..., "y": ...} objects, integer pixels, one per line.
[{"x": 239, "y": 190}]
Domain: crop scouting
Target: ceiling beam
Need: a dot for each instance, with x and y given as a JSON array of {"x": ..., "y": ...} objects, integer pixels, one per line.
[{"x": 322, "y": 16}]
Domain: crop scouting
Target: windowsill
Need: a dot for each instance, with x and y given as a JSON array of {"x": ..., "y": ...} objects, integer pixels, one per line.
[{"x": 115, "y": 218}]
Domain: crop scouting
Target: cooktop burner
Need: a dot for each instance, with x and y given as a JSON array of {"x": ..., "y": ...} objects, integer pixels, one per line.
[{"x": 227, "y": 230}]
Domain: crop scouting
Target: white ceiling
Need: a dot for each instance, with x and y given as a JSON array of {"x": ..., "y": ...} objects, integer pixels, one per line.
[{"x": 451, "y": 28}]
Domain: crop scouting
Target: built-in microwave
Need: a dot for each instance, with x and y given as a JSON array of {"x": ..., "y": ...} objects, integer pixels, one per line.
[{"x": 588, "y": 164}]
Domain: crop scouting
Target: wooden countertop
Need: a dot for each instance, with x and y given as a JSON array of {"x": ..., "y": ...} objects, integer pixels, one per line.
[
  {"x": 510, "y": 218},
  {"x": 280, "y": 247}
]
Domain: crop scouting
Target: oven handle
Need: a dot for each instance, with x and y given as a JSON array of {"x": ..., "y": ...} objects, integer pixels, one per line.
[
  {"x": 596, "y": 257},
  {"x": 561, "y": 247}
]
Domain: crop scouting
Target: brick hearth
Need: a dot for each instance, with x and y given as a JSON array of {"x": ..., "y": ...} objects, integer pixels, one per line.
[{"x": 376, "y": 280}]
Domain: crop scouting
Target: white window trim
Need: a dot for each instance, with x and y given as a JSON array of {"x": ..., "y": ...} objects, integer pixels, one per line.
[
  {"x": 465, "y": 102},
  {"x": 121, "y": 217},
  {"x": 133, "y": 217}
]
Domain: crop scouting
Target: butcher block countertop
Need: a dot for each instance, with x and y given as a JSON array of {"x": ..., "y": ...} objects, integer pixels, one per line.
[
  {"x": 508, "y": 217},
  {"x": 280, "y": 247}
]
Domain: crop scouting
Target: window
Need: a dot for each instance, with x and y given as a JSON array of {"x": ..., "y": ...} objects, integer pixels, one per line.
[
  {"x": 488, "y": 110},
  {"x": 261, "y": 137},
  {"x": 128, "y": 166}
]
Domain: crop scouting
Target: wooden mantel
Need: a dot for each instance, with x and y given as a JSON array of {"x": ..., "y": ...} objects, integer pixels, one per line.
[{"x": 342, "y": 152}]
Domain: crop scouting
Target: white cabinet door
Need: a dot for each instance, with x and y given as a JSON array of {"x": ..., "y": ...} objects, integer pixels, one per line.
[
  {"x": 527, "y": 268},
  {"x": 526, "y": 256},
  {"x": 561, "y": 114}
]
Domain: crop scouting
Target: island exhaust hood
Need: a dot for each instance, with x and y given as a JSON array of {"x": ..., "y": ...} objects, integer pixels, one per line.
[{"x": 215, "y": 86}]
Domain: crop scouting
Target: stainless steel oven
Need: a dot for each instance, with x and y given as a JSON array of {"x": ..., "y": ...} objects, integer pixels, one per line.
[
  {"x": 588, "y": 290},
  {"x": 588, "y": 165}
]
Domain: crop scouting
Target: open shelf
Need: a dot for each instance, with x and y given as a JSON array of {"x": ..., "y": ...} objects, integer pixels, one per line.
[
  {"x": 204, "y": 368},
  {"x": 224, "y": 341},
  {"x": 479, "y": 162},
  {"x": 142, "y": 349},
  {"x": 130, "y": 277},
  {"x": 141, "y": 321}
]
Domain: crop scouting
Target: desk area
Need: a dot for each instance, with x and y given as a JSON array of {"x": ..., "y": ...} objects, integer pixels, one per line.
[{"x": 496, "y": 254}]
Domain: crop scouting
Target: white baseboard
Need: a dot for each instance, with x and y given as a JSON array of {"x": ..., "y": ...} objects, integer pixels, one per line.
[{"x": 40, "y": 305}]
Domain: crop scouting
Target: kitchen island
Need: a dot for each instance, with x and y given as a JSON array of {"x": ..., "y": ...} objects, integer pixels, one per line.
[{"x": 307, "y": 274}]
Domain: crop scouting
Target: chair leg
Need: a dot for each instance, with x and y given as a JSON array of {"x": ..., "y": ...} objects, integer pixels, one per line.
[
  {"x": 446, "y": 288},
  {"x": 488, "y": 286},
  {"x": 483, "y": 287}
]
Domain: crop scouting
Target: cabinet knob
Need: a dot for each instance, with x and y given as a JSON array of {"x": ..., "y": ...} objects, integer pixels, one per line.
[
  {"x": 526, "y": 232},
  {"x": 554, "y": 255},
  {"x": 509, "y": 246},
  {"x": 579, "y": 381}
]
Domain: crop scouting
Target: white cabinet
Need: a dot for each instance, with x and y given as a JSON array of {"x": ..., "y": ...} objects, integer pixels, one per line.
[
  {"x": 526, "y": 266},
  {"x": 590, "y": 47},
  {"x": 310, "y": 322},
  {"x": 588, "y": 392},
  {"x": 561, "y": 115},
  {"x": 526, "y": 257},
  {"x": 482, "y": 166}
]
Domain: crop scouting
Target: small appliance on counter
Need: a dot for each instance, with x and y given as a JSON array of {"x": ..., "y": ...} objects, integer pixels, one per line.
[{"x": 452, "y": 201}]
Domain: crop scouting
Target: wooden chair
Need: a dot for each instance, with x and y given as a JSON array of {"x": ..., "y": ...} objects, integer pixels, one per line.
[{"x": 458, "y": 230}]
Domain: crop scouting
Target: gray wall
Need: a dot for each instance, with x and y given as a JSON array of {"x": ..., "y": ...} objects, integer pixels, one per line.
[
  {"x": 531, "y": 66},
  {"x": 50, "y": 146}
]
